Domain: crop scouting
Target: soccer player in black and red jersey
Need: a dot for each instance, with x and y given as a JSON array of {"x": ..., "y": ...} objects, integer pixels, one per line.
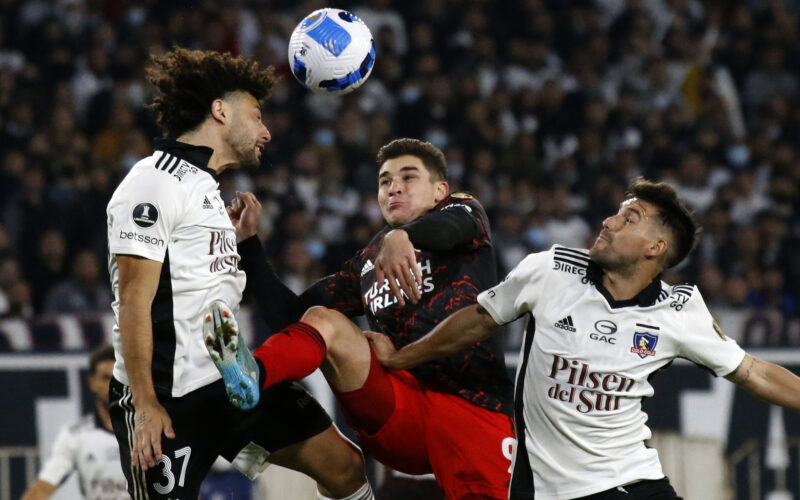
[{"x": 450, "y": 416}]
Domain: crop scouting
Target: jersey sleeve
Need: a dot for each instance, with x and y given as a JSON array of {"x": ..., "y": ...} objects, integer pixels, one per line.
[
  {"x": 703, "y": 341},
  {"x": 62, "y": 459},
  {"x": 519, "y": 292},
  {"x": 340, "y": 291},
  {"x": 458, "y": 221},
  {"x": 142, "y": 214}
]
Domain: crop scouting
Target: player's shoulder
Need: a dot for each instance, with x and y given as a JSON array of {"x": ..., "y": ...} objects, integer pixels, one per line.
[
  {"x": 683, "y": 297},
  {"x": 565, "y": 262},
  {"x": 568, "y": 262},
  {"x": 464, "y": 201},
  {"x": 166, "y": 171}
]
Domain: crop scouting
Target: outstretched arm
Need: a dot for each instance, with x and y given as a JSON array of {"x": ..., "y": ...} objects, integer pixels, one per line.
[
  {"x": 459, "y": 331},
  {"x": 277, "y": 303},
  {"x": 768, "y": 381}
]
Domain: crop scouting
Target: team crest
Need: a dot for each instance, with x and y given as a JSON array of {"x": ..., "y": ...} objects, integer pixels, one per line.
[{"x": 644, "y": 344}]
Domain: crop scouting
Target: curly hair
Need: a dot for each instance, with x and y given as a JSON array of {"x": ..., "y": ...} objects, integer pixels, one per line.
[{"x": 190, "y": 80}]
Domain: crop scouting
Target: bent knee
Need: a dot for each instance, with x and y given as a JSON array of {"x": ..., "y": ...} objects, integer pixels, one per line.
[
  {"x": 329, "y": 323},
  {"x": 350, "y": 472},
  {"x": 345, "y": 473}
]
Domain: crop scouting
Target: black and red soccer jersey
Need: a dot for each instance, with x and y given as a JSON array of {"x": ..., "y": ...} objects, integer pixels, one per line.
[{"x": 456, "y": 258}]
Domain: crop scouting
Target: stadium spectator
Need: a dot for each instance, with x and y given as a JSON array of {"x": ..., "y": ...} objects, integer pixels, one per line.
[
  {"x": 82, "y": 292},
  {"x": 87, "y": 447}
]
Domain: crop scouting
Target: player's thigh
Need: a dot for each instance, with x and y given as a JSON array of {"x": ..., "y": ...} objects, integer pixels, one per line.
[
  {"x": 187, "y": 458},
  {"x": 285, "y": 415},
  {"x": 395, "y": 401},
  {"x": 470, "y": 448},
  {"x": 348, "y": 359}
]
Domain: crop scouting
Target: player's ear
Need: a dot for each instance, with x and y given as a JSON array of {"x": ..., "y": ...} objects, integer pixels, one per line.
[
  {"x": 442, "y": 190},
  {"x": 656, "y": 248},
  {"x": 219, "y": 111}
]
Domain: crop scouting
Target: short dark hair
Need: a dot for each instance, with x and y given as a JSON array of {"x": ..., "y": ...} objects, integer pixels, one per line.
[
  {"x": 103, "y": 352},
  {"x": 190, "y": 80},
  {"x": 674, "y": 216},
  {"x": 431, "y": 156}
]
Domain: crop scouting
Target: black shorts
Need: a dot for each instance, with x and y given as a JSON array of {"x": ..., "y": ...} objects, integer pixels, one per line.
[
  {"x": 658, "y": 489},
  {"x": 206, "y": 425}
]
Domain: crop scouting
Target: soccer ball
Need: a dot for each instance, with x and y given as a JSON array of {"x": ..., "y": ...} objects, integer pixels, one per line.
[{"x": 331, "y": 51}]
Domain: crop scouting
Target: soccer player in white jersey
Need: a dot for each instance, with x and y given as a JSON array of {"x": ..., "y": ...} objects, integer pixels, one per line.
[
  {"x": 88, "y": 447},
  {"x": 600, "y": 322},
  {"x": 172, "y": 253}
]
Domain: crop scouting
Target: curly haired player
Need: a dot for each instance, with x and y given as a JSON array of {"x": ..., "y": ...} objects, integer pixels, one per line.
[{"x": 172, "y": 252}]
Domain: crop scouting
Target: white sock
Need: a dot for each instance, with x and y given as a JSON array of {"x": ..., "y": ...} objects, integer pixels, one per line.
[{"x": 363, "y": 493}]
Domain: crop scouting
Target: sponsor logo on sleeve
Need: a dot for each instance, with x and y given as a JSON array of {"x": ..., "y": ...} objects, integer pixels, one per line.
[
  {"x": 145, "y": 215},
  {"x": 141, "y": 238}
]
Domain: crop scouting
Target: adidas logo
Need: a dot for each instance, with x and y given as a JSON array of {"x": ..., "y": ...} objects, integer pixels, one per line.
[
  {"x": 566, "y": 324},
  {"x": 207, "y": 204},
  {"x": 368, "y": 266}
]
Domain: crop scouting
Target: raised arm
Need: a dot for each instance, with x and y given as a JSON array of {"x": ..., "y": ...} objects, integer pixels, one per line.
[
  {"x": 437, "y": 231},
  {"x": 138, "y": 282},
  {"x": 459, "y": 331},
  {"x": 770, "y": 382},
  {"x": 276, "y": 302}
]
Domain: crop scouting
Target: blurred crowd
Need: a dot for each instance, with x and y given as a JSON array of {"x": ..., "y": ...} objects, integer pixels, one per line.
[{"x": 545, "y": 111}]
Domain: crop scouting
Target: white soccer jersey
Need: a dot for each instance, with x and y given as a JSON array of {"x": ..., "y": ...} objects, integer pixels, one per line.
[
  {"x": 584, "y": 368},
  {"x": 93, "y": 452},
  {"x": 168, "y": 208}
]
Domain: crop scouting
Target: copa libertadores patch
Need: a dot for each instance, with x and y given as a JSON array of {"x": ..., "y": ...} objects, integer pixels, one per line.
[{"x": 145, "y": 215}]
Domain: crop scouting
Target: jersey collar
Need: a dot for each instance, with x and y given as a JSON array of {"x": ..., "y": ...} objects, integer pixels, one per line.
[
  {"x": 647, "y": 297},
  {"x": 196, "y": 155}
]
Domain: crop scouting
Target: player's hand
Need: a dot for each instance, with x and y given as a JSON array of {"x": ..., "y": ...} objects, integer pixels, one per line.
[
  {"x": 244, "y": 211},
  {"x": 150, "y": 421},
  {"x": 382, "y": 346},
  {"x": 397, "y": 262}
]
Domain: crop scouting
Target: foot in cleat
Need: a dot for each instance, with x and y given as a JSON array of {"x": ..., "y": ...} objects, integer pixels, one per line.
[{"x": 227, "y": 348}]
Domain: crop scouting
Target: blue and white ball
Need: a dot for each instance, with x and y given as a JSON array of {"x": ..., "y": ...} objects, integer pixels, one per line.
[{"x": 331, "y": 52}]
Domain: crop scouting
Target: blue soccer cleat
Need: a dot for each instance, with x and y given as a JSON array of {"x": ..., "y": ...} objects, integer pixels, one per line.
[{"x": 231, "y": 356}]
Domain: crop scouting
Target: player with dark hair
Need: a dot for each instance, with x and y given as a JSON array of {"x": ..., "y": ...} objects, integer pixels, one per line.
[
  {"x": 451, "y": 416},
  {"x": 77, "y": 447},
  {"x": 172, "y": 252},
  {"x": 604, "y": 322}
]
